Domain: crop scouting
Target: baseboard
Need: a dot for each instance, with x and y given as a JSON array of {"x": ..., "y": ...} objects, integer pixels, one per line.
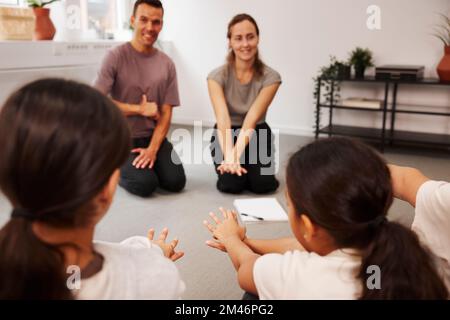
[{"x": 288, "y": 130}]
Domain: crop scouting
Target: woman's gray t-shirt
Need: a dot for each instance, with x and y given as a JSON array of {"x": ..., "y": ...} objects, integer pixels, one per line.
[{"x": 240, "y": 97}]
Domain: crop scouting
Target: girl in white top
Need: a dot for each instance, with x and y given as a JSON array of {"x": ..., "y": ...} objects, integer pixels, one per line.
[
  {"x": 62, "y": 146},
  {"x": 431, "y": 200},
  {"x": 338, "y": 192}
]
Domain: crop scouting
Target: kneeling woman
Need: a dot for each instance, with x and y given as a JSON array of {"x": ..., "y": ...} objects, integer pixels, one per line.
[{"x": 241, "y": 92}]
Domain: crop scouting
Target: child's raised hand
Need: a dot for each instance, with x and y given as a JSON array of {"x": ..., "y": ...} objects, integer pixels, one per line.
[
  {"x": 225, "y": 228},
  {"x": 167, "y": 248}
]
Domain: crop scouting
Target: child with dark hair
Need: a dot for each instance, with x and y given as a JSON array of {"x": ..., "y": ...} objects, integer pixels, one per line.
[
  {"x": 62, "y": 145},
  {"x": 338, "y": 193}
]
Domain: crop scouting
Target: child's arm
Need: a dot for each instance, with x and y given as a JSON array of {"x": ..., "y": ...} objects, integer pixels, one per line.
[
  {"x": 227, "y": 232},
  {"x": 273, "y": 245},
  {"x": 406, "y": 183}
]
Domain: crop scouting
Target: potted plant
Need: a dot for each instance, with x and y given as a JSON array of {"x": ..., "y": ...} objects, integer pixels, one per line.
[
  {"x": 328, "y": 77},
  {"x": 44, "y": 29},
  {"x": 361, "y": 59},
  {"x": 343, "y": 70},
  {"x": 442, "y": 32}
]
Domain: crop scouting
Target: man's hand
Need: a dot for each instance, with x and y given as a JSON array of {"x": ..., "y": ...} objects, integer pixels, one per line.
[
  {"x": 167, "y": 248},
  {"x": 148, "y": 109},
  {"x": 145, "y": 159}
]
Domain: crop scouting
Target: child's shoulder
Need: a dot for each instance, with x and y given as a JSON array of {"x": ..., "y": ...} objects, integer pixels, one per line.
[{"x": 133, "y": 269}]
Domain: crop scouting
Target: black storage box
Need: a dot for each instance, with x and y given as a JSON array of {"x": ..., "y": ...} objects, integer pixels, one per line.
[{"x": 399, "y": 72}]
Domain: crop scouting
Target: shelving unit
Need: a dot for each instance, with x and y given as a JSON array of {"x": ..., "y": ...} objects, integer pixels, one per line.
[{"x": 387, "y": 134}]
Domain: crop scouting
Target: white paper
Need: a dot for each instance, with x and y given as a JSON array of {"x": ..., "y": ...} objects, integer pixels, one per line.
[{"x": 267, "y": 208}]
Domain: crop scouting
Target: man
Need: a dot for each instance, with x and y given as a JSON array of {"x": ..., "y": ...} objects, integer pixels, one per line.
[
  {"x": 142, "y": 81},
  {"x": 431, "y": 200}
]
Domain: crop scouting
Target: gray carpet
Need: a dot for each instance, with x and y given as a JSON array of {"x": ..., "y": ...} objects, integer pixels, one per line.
[{"x": 208, "y": 273}]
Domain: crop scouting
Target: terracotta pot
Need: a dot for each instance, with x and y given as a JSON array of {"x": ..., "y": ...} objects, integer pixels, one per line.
[
  {"x": 443, "y": 68},
  {"x": 44, "y": 29}
]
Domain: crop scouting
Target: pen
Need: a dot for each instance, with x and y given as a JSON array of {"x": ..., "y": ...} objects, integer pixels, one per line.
[{"x": 252, "y": 216}]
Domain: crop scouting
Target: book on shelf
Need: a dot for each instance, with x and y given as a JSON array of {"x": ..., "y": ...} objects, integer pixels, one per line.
[{"x": 362, "y": 103}]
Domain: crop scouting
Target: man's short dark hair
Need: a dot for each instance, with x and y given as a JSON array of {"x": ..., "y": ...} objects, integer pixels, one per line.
[{"x": 153, "y": 3}]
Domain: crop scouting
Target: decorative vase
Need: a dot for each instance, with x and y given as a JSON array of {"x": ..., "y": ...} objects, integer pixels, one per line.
[
  {"x": 44, "y": 28},
  {"x": 443, "y": 68},
  {"x": 359, "y": 72}
]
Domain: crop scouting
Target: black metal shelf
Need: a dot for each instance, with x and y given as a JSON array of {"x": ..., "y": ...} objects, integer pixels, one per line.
[
  {"x": 428, "y": 113},
  {"x": 397, "y": 136},
  {"x": 424, "y": 81},
  {"x": 385, "y": 134},
  {"x": 350, "y": 108},
  {"x": 359, "y": 132}
]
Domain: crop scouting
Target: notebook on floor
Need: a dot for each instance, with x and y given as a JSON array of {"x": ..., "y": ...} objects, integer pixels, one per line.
[{"x": 260, "y": 209}]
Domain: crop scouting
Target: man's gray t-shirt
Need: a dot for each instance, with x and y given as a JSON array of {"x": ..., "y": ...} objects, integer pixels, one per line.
[
  {"x": 127, "y": 74},
  {"x": 240, "y": 97}
]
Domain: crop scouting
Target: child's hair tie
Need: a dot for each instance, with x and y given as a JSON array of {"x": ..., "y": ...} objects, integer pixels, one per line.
[
  {"x": 378, "y": 221},
  {"x": 22, "y": 213}
]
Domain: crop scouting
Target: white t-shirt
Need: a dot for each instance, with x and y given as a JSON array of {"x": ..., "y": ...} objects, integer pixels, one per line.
[
  {"x": 432, "y": 222},
  {"x": 301, "y": 275},
  {"x": 134, "y": 269}
]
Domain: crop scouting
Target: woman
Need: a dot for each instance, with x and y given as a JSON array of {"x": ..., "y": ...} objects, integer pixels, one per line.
[{"x": 241, "y": 92}]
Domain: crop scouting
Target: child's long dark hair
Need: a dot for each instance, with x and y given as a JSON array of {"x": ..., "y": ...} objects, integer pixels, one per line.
[
  {"x": 60, "y": 143},
  {"x": 345, "y": 187}
]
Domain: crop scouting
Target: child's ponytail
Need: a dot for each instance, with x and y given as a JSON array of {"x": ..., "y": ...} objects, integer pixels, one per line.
[
  {"x": 30, "y": 269},
  {"x": 407, "y": 270}
]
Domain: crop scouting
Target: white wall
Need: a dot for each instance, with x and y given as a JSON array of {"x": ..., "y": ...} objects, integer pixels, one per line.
[{"x": 297, "y": 37}]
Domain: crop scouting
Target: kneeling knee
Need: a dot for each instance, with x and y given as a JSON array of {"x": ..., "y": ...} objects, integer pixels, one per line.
[
  {"x": 230, "y": 184},
  {"x": 264, "y": 186},
  {"x": 174, "y": 184},
  {"x": 143, "y": 188}
]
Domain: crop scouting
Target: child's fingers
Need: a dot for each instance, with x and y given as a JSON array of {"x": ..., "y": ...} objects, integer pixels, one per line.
[
  {"x": 224, "y": 213},
  {"x": 163, "y": 235},
  {"x": 214, "y": 217},
  {"x": 176, "y": 256},
  {"x": 151, "y": 234},
  {"x": 174, "y": 243},
  {"x": 230, "y": 214},
  {"x": 215, "y": 245},
  {"x": 208, "y": 226}
]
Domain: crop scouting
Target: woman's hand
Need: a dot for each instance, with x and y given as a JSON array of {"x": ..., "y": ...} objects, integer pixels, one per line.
[
  {"x": 231, "y": 168},
  {"x": 223, "y": 229},
  {"x": 167, "y": 248}
]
